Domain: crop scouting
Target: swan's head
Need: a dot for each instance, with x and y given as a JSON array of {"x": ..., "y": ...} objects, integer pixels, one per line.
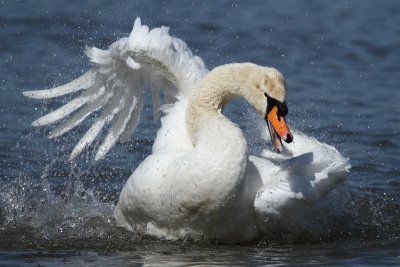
[{"x": 269, "y": 101}]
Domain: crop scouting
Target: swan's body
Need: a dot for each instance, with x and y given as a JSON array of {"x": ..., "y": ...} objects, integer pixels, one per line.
[{"x": 200, "y": 180}]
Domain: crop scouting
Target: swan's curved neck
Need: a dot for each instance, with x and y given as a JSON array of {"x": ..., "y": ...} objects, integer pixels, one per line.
[{"x": 216, "y": 89}]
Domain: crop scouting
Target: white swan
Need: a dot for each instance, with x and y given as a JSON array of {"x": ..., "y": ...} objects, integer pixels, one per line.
[{"x": 199, "y": 181}]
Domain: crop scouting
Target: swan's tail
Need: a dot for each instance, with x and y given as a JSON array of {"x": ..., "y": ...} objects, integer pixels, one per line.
[
  {"x": 115, "y": 86},
  {"x": 309, "y": 171}
]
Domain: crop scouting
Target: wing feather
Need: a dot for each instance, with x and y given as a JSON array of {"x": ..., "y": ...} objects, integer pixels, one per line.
[
  {"x": 80, "y": 116},
  {"x": 113, "y": 107},
  {"x": 90, "y": 95},
  {"x": 133, "y": 121},
  {"x": 115, "y": 86},
  {"x": 83, "y": 82},
  {"x": 118, "y": 125}
]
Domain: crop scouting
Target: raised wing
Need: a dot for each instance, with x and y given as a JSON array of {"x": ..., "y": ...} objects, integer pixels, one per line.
[{"x": 116, "y": 84}]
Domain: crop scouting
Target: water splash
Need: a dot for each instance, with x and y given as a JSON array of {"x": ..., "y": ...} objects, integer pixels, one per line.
[{"x": 36, "y": 212}]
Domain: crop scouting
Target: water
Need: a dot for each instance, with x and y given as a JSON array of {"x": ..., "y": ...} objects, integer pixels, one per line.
[{"x": 341, "y": 60}]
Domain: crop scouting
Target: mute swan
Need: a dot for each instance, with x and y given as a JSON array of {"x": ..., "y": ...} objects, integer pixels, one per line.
[{"x": 199, "y": 180}]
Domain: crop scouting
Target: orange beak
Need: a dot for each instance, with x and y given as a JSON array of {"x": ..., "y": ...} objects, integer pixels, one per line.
[{"x": 278, "y": 129}]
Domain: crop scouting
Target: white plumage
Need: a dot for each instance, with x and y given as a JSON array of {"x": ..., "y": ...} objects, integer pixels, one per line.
[
  {"x": 117, "y": 82},
  {"x": 199, "y": 181}
]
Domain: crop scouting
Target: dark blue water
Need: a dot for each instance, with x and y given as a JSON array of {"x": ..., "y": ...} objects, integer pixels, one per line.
[{"x": 341, "y": 60}]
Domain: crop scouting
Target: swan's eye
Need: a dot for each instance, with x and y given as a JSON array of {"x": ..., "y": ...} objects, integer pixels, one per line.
[
  {"x": 282, "y": 108},
  {"x": 272, "y": 102}
]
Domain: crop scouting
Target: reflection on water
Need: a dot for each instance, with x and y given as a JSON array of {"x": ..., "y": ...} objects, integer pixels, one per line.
[
  {"x": 188, "y": 254},
  {"x": 341, "y": 69}
]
